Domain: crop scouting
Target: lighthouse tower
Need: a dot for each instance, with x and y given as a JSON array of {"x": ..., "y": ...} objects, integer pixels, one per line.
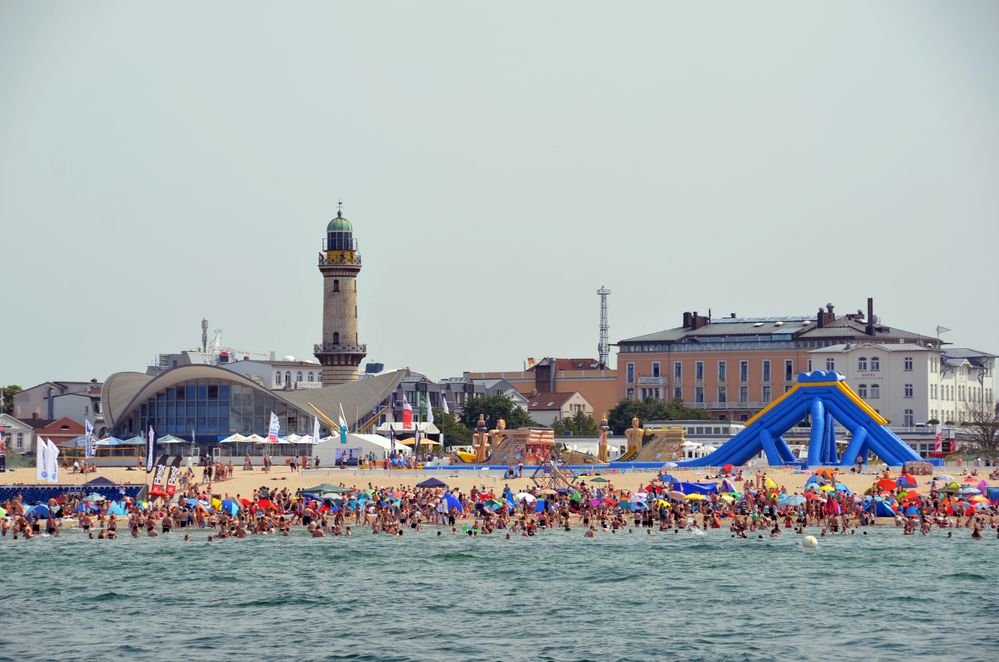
[{"x": 340, "y": 353}]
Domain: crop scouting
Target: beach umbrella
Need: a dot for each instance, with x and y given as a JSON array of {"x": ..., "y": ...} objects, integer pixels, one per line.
[
  {"x": 978, "y": 498},
  {"x": 599, "y": 479},
  {"x": 969, "y": 479},
  {"x": 676, "y": 495},
  {"x": 905, "y": 480},
  {"x": 795, "y": 500},
  {"x": 695, "y": 497},
  {"x": 886, "y": 484},
  {"x": 911, "y": 510},
  {"x": 93, "y": 498},
  {"x": 969, "y": 490},
  {"x": 230, "y": 507},
  {"x": 670, "y": 465},
  {"x": 727, "y": 498},
  {"x": 432, "y": 482},
  {"x": 946, "y": 477},
  {"x": 525, "y": 496},
  {"x": 452, "y": 502},
  {"x": 624, "y": 505},
  {"x": 40, "y": 511},
  {"x": 827, "y": 488},
  {"x": 266, "y": 503},
  {"x": 640, "y": 506},
  {"x": 246, "y": 502},
  {"x": 840, "y": 487}
]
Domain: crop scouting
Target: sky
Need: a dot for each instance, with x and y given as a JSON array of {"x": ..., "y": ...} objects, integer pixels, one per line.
[{"x": 165, "y": 162}]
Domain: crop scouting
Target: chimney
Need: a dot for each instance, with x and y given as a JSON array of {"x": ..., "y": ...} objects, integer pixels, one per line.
[
  {"x": 820, "y": 319},
  {"x": 870, "y": 316},
  {"x": 732, "y": 315},
  {"x": 686, "y": 320}
]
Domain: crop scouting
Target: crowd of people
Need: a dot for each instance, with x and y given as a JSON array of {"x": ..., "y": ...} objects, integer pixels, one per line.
[{"x": 747, "y": 505}]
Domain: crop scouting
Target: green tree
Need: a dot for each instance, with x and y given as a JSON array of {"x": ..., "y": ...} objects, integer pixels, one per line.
[
  {"x": 579, "y": 424},
  {"x": 8, "y": 397},
  {"x": 455, "y": 434},
  {"x": 651, "y": 409},
  {"x": 495, "y": 407}
]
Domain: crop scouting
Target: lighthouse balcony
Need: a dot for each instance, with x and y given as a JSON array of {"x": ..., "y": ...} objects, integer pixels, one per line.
[{"x": 330, "y": 348}]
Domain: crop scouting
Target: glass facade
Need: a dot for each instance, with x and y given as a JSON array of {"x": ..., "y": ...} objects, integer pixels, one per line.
[{"x": 213, "y": 410}]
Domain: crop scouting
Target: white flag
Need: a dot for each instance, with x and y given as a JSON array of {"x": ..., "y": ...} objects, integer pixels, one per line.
[
  {"x": 447, "y": 410},
  {"x": 315, "y": 429},
  {"x": 274, "y": 429},
  {"x": 430, "y": 410},
  {"x": 53, "y": 462},
  {"x": 942, "y": 329},
  {"x": 88, "y": 441},
  {"x": 41, "y": 470}
]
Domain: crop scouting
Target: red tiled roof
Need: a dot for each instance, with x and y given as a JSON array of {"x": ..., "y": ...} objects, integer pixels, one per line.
[{"x": 546, "y": 401}]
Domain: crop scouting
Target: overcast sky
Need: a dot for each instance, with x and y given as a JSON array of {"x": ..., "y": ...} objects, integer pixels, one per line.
[{"x": 160, "y": 163}]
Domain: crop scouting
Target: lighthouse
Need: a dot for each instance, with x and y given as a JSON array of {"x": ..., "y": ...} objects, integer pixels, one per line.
[{"x": 340, "y": 352}]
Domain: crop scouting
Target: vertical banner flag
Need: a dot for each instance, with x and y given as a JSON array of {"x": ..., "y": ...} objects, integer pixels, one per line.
[
  {"x": 274, "y": 429},
  {"x": 41, "y": 471},
  {"x": 315, "y": 429},
  {"x": 88, "y": 444},
  {"x": 53, "y": 462},
  {"x": 447, "y": 410},
  {"x": 407, "y": 413},
  {"x": 430, "y": 410},
  {"x": 392, "y": 440},
  {"x": 159, "y": 481},
  {"x": 939, "y": 439},
  {"x": 343, "y": 426},
  {"x": 150, "y": 449},
  {"x": 171, "y": 487}
]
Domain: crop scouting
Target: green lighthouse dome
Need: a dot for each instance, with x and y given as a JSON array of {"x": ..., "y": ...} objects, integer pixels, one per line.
[{"x": 339, "y": 224}]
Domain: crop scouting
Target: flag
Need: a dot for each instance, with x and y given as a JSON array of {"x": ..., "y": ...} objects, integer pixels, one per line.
[
  {"x": 315, "y": 429},
  {"x": 430, "y": 410},
  {"x": 942, "y": 329},
  {"x": 939, "y": 439},
  {"x": 150, "y": 449},
  {"x": 274, "y": 429},
  {"x": 447, "y": 410},
  {"x": 392, "y": 439},
  {"x": 41, "y": 470},
  {"x": 343, "y": 426},
  {"x": 88, "y": 444},
  {"x": 407, "y": 413},
  {"x": 52, "y": 457},
  {"x": 531, "y": 362}
]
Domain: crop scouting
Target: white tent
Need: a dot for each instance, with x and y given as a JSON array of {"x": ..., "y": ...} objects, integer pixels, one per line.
[
  {"x": 361, "y": 444},
  {"x": 234, "y": 438}
]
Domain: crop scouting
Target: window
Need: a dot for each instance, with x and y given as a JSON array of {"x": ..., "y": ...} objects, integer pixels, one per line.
[
  {"x": 862, "y": 363},
  {"x": 788, "y": 370},
  {"x": 908, "y": 390},
  {"x": 875, "y": 391},
  {"x": 655, "y": 369},
  {"x": 678, "y": 393},
  {"x": 277, "y": 377},
  {"x": 722, "y": 370},
  {"x": 298, "y": 376},
  {"x": 908, "y": 364},
  {"x": 699, "y": 371},
  {"x": 336, "y": 338},
  {"x": 20, "y": 440},
  {"x": 311, "y": 377},
  {"x": 699, "y": 394},
  {"x": 907, "y": 418},
  {"x": 336, "y": 285},
  {"x": 830, "y": 363},
  {"x": 677, "y": 371},
  {"x": 809, "y": 365},
  {"x": 630, "y": 373},
  {"x": 287, "y": 377},
  {"x": 743, "y": 394},
  {"x": 743, "y": 371},
  {"x": 862, "y": 390},
  {"x": 765, "y": 393},
  {"x": 722, "y": 394},
  {"x": 875, "y": 363},
  {"x": 766, "y": 370},
  {"x": 630, "y": 394}
]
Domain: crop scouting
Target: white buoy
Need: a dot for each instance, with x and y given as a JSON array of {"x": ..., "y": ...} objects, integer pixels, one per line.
[{"x": 809, "y": 542}]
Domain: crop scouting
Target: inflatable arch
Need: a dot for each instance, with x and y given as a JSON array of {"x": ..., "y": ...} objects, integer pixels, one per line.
[{"x": 825, "y": 396}]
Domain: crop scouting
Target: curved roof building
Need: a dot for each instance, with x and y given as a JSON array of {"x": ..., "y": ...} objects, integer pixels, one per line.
[{"x": 211, "y": 403}]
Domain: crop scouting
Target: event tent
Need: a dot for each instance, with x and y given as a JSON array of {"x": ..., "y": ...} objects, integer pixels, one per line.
[{"x": 361, "y": 444}]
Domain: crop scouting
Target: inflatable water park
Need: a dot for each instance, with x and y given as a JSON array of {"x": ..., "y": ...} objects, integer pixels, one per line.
[{"x": 822, "y": 397}]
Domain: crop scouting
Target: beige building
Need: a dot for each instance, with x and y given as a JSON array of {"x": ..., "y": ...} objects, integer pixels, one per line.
[{"x": 546, "y": 408}]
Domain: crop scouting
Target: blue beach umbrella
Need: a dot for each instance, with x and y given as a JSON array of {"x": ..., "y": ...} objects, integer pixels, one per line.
[
  {"x": 39, "y": 511},
  {"x": 230, "y": 507}
]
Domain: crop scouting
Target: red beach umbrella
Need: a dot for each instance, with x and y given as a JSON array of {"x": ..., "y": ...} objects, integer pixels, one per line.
[{"x": 886, "y": 484}]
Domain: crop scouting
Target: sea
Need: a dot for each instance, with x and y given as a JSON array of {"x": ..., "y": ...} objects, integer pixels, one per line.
[{"x": 555, "y": 596}]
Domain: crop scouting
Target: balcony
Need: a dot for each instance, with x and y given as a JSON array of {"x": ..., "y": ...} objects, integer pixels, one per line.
[
  {"x": 343, "y": 258},
  {"x": 747, "y": 406},
  {"x": 330, "y": 348},
  {"x": 653, "y": 381}
]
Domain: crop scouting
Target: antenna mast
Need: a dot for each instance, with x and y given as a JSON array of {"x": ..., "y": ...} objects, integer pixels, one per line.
[{"x": 603, "y": 347}]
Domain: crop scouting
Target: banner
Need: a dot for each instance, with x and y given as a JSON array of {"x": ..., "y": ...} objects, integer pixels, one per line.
[
  {"x": 430, "y": 410},
  {"x": 343, "y": 426},
  {"x": 159, "y": 481},
  {"x": 150, "y": 449},
  {"x": 348, "y": 456},
  {"x": 41, "y": 470},
  {"x": 88, "y": 444},
  {"x": 171, "y": 488},
  {"x": 52, "y": 457},
  {"x": 274, "y": 429},
  {"x": 315, "y": 429},
  {"x": 407, "y": 413}
]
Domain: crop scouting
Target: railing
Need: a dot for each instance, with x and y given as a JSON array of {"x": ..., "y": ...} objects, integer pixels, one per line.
[
  {"x": 653, "y": 381},
  {"x": 727, "y": 405},
  {"x": 330, "y": 348}
]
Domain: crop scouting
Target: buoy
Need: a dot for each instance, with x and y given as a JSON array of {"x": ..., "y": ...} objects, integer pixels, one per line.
[{"x": 809, "y": 541}]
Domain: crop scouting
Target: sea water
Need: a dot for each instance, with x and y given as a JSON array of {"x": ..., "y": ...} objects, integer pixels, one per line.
[{"x": 556, "y": 596}]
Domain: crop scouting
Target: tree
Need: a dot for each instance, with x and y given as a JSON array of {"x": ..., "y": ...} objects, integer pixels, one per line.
[
  {"x": 495, "y": 407},
  {"x": 455, "y": 434},
  {"x": 981, "y": 421},
  {"x": 579, "y": 424},
  {"x": 8, "y": 397},
  {"x": 651, "y": 409}
]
